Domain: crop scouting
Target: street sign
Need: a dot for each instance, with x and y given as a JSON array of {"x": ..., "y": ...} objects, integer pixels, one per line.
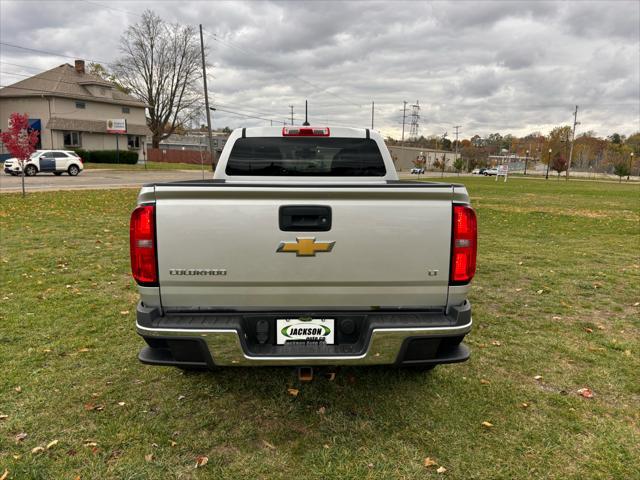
[
  {"x": 504, "y": 171},
  {"x": 117, "y": 125}
]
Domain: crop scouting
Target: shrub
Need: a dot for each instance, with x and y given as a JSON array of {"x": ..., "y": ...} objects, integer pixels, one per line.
[
  {"x": 621, "y": 169},
  {"x": 108, "y": 156}
]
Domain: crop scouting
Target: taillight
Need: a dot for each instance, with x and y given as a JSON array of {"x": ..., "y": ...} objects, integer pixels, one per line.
[
  {"x": 305, "y": 131},
  {"x": 464, "y": 245},
  {"x": 142, "y": 245},
  {"x": 81, "y": 160}
]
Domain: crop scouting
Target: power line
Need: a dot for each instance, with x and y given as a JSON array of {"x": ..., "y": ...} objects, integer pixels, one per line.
[{"x": 46, "y": 52}]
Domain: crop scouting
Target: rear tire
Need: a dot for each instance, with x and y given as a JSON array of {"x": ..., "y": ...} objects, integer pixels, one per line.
[
  {"x": 57, "y": 174},
  {"x": 30, "y": 170},
  {"x": 73, "y": 170}
]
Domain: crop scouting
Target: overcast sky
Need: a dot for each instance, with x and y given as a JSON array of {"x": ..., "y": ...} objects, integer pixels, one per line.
[{"x": 509, "y": 66}]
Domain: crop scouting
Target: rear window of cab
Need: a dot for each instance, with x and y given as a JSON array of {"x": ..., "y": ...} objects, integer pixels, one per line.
[{"x": 305, "y": 156}]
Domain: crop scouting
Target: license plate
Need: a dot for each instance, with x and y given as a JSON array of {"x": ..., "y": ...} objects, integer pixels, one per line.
[{"x": 296, "y": 330}]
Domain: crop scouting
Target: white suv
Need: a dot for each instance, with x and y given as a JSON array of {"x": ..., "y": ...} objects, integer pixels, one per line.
[{"x": 45, "y": 161}]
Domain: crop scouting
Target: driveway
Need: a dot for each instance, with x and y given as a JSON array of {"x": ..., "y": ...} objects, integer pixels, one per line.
[{"x": 97, "y": 179}]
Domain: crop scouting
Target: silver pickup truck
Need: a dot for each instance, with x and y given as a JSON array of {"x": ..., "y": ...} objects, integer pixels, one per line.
[{"x": 304, "y": 249}]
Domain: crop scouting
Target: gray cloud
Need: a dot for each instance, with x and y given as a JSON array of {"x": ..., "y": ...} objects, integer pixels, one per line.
[{"x": 513, "y": 66}]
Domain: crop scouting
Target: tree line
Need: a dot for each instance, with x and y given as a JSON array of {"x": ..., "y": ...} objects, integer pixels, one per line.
[{"x": 616, "y": 153}]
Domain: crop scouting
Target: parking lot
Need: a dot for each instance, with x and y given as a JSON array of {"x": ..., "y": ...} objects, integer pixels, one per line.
[{"x": 96, "y": 179}]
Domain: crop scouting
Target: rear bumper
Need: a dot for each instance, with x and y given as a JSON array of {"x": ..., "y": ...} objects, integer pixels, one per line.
[{"x": 190, "y": 339}]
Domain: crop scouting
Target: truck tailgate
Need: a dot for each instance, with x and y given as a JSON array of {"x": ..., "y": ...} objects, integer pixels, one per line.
[{"x": 218, "y": 246}]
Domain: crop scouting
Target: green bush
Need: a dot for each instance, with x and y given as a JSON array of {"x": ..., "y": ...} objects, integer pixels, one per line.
[{"x": 108, "y": 156}]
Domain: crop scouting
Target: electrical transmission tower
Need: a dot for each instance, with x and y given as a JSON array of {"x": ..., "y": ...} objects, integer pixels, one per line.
[{"x": 415, "y": 120}]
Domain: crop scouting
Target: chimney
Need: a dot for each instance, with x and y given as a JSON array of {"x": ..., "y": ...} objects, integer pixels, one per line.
[{"x": 80, "y": 66}]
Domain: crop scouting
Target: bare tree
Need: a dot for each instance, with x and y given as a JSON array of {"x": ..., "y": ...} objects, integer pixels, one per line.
[{"x": 161, "y": 66}]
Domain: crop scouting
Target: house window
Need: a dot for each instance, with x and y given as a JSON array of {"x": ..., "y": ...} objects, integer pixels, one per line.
[
  {"x": 134, "y": 142},
  {"x": 125, "y": 110},
  {"x": 72, "y": 139},
  {"x": 81, "y": 105}
]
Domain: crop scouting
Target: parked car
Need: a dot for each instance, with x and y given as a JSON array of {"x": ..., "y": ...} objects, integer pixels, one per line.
[
  {"x": 319, "y": 210},
  {"x": 475, "y": 171},
  {"x": 490, "y": 172},
  {"x": 417, "y": 171},
  {"x": 47, "y": 161}
]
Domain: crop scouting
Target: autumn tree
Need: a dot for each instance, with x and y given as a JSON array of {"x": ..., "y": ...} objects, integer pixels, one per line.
[
  {"x": 98, "y": 70},
  {"x": 559, "y": 163},
  {"x": 20, "y": 141},
  {"x": 161, "y": 65}
]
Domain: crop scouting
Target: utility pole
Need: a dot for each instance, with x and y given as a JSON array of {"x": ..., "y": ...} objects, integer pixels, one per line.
[
  {"x": 455, "y": 158},
  {"x": 444, "y": 154},
  {"x": 206, "y": 101},
  {"x": 291, "y": 107},
  {"x": 404, "y": 117},
  {"x": 573, "y": 137},
  {"x": 415, "y": 120},
  {"x": 372, "y": 110}
]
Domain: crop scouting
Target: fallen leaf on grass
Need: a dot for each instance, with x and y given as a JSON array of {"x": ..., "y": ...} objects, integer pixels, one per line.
[
  {"x": 556, "y": 318},
  {"x": 441, "y": 470},
  {"x": 90, "y": 443},
  {"x": 585, "y": 392},
  {"x": 496, "y": 343},
  {"x": 600, "y": 327},
  {"x": 293, "y": 392},
  {"x": 429, "y": 462},
  {"x": 268, "y": 445},
  {"x": 5, "y": 474},
  {"x": 322, "y": 410},
  {"x": 124, "y": 312},
  {"x": 588, "y": 330},
  {"x": 331, "y": 376},
  {"x": 487, "y": 424},
  {"x": 52, "y": 444},
  {"x": 540, "y": 292},
  {"x": 484, "y": 381},
  {"x": 524, "y": 405},
  {"x": 201, "y": 461},
  {"x": 121, "y": 404},
  {"x": 538, "y": 377},
  {"x": 326, "y": 445},
  {"x": 149, "y": 457},
  {"x": 92, "y": 406},
  {"x": 4, "y": 417},
  {"x": 172, "y": 443},
  {"x": 84, "y": 350},
  {"x": 36, "y": 450},
  {"x": 18, "y": 389},
  {"x": 518, "y": 289},
  {"x": 21, "y": 436}
]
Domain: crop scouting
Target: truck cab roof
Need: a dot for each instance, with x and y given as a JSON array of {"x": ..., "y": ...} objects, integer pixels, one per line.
[{"x": 305, "y": 154}]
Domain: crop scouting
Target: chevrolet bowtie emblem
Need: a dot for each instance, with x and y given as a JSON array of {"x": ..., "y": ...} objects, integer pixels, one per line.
[{"x": 305, "y": 247}]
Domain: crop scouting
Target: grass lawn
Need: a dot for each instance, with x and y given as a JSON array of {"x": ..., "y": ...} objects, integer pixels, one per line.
[
  {"x": 556, "y": 296},
  {"x": 150, "y": 166}
]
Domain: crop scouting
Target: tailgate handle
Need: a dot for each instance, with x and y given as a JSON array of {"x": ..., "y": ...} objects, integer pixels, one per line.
[{"x": 305, "y": 218}]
